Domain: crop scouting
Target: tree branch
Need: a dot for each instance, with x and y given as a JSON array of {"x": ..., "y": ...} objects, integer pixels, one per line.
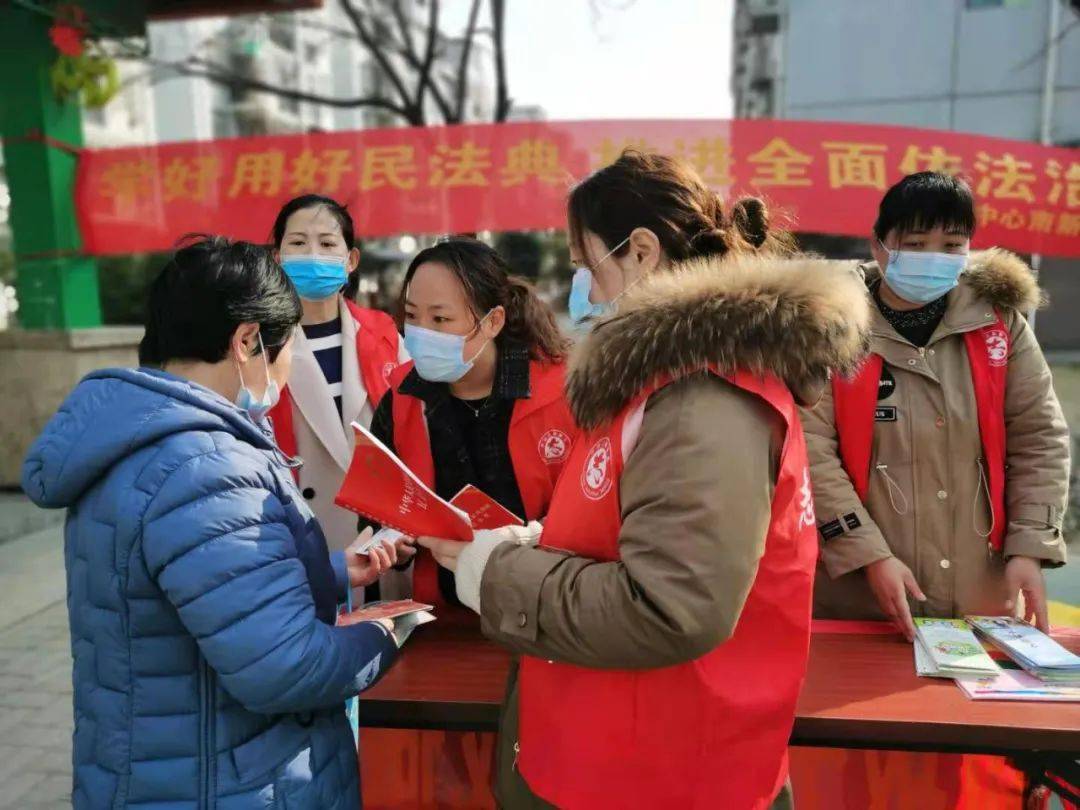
[
  {"x": 201, "y": 68},
  {"x": 368, "y": 39},
  {"x": 426, "y": 67},
  {"x": 498, "y": 31},
  {"x": 403, "y": 27},
  {"x": 463, "y": 63}
]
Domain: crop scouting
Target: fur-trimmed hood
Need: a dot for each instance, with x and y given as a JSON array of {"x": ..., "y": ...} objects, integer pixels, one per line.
[
  {"x": 996, "y": 276},
  {"x": 796, "y": 318}
]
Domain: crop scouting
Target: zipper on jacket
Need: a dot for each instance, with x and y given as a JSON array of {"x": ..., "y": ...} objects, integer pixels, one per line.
[
  {"x": 517, "y": 751},
  {"x": 207, "y": 745}
]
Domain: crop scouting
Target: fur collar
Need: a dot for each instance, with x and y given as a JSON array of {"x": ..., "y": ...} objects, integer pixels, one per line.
[
  {"x": 1004, "y": 280},
  {"x": 796, "y": 318},
  {"x": 996, "y": 276}
]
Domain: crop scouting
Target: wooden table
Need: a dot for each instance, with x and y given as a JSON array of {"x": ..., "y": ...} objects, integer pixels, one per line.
[{"x": 861, "y": 691}]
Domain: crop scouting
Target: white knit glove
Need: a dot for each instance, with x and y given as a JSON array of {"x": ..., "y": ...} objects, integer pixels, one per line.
[{"x": 474, "y": 558}]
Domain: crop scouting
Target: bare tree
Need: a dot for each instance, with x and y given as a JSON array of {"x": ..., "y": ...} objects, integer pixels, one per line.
[{"x": 411, "y": 58}]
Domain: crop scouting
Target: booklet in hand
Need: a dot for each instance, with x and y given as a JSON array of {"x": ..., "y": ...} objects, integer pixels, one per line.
[
  {"x": 406, "y": 614},
  {"x": 380, "y": 487},
  {"x": 484, "y": 511},
  {"x": 382, "y": 610}
]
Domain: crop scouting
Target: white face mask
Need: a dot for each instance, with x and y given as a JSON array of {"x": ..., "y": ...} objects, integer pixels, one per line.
[{"x": 245, "y": 399}]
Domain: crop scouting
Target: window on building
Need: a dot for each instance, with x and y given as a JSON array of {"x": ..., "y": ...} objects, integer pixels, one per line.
[
  {"x": 761, "y": 24},
  {"x": 283, "y": 31},
  {"x": 289, "y": 77},
  {"x": 225, "y": 123}
]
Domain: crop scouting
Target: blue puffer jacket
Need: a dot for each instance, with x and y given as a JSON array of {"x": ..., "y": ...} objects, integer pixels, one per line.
[{"x": 208, "y": 672}]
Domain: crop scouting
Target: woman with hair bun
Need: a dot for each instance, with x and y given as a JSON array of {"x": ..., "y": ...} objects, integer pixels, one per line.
[{"x": 663, "y": 617}]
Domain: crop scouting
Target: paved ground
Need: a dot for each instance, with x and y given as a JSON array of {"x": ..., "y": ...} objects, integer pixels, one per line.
[
  {"x": 35, "y": 673},
  {"x": 35, "y": 662}
]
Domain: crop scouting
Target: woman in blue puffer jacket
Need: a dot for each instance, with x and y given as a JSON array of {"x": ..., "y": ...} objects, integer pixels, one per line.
[{"x": 207, "y": 668}]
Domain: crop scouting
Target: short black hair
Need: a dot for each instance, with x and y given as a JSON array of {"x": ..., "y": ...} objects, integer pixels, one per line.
[
  {"x": 207, "y": 289},
  {"x": 924, "y": 201},
  {"x": 336, "y": 209}
]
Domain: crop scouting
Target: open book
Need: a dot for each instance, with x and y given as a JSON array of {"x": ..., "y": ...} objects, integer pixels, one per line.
[{"x": 380, "y": 487}]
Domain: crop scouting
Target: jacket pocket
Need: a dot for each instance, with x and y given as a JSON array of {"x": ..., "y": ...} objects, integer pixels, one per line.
[{"x": 264, "y": 753}]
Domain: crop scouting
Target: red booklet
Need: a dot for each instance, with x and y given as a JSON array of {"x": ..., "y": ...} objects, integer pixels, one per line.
[
  {"x": 380, "y": 487},
  {"x": 382, "y": 610},
  {"x": 484, "y": 511}
]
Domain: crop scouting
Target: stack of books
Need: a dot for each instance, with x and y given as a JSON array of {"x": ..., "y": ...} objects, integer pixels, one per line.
[
  {"x": 948, "y": 648},
  {"x": 996, "y": 658},
  {"x": 1015, "y": 684},
  {"x": 1035, "y": 652}
]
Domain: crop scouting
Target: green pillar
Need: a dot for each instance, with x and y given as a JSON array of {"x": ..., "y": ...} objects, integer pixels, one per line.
[{"x": 57, "y": 288}]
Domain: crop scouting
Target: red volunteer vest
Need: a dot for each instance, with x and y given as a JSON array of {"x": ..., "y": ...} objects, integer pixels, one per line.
[
  {"x": 541, "y": 428},
  {"x": 377, "y": 355},
  {"x": 709, "y": 733},
  {"x": 854, "y": 401}
]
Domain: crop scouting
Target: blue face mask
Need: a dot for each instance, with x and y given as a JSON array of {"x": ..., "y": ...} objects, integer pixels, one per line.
[
  {"x": 580, "y": 304},
  {"x": 923, "y": 277},
  {"x": 245, "y": 400},
  {"x": 437, "y": 356},
  {"x": 316, "y": 277}
]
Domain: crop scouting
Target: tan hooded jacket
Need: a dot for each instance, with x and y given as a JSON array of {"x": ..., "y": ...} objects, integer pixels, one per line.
[
  {"x": 926, "y": 504},
  {"x": 697, "y": 488}
]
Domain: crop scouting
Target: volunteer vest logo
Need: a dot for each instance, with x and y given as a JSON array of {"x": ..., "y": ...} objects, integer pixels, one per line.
[
  {"x": 997, "y": 347},
  {"x": 553, "y": 446},
  {"x": 807, "y": 518},
  {"x": 387, "y": 370},
  {"x": 596, "y": 477}
]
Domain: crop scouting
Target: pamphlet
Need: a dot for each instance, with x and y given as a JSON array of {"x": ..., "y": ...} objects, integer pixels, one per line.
[
  {"x": 406, "y": 614},
  {"x": 484, "y": 511},
  {"x": 1012, "y": 683},
  {"x": 953, "y": 647},
  {"x": 924, "y": 664},
  {"x": 380, "y": 487},
  {"x": 382, "y": 610},
  {"x": 384, "y": 536},
  {"x": 1029, "y": 647}
]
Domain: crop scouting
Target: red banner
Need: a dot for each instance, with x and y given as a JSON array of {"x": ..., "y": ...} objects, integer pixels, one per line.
[{"x": 817, "y": 176}]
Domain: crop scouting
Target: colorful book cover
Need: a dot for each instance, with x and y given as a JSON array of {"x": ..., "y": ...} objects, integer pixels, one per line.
[
  {"x": 924, "y": 664},
  {"x": 953, "y": 647},
  {"x": 1032, "y": 648},
  {"x": 1012, "y": 683}
]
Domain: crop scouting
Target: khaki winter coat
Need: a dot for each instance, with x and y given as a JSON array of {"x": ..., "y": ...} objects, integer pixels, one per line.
[
  {"x": 697, "y": 488},
  {"x": 925, "y": 503}
]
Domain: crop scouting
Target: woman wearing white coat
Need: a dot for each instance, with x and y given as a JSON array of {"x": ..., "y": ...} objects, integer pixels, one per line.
[{"x": 342, "y": 357}]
